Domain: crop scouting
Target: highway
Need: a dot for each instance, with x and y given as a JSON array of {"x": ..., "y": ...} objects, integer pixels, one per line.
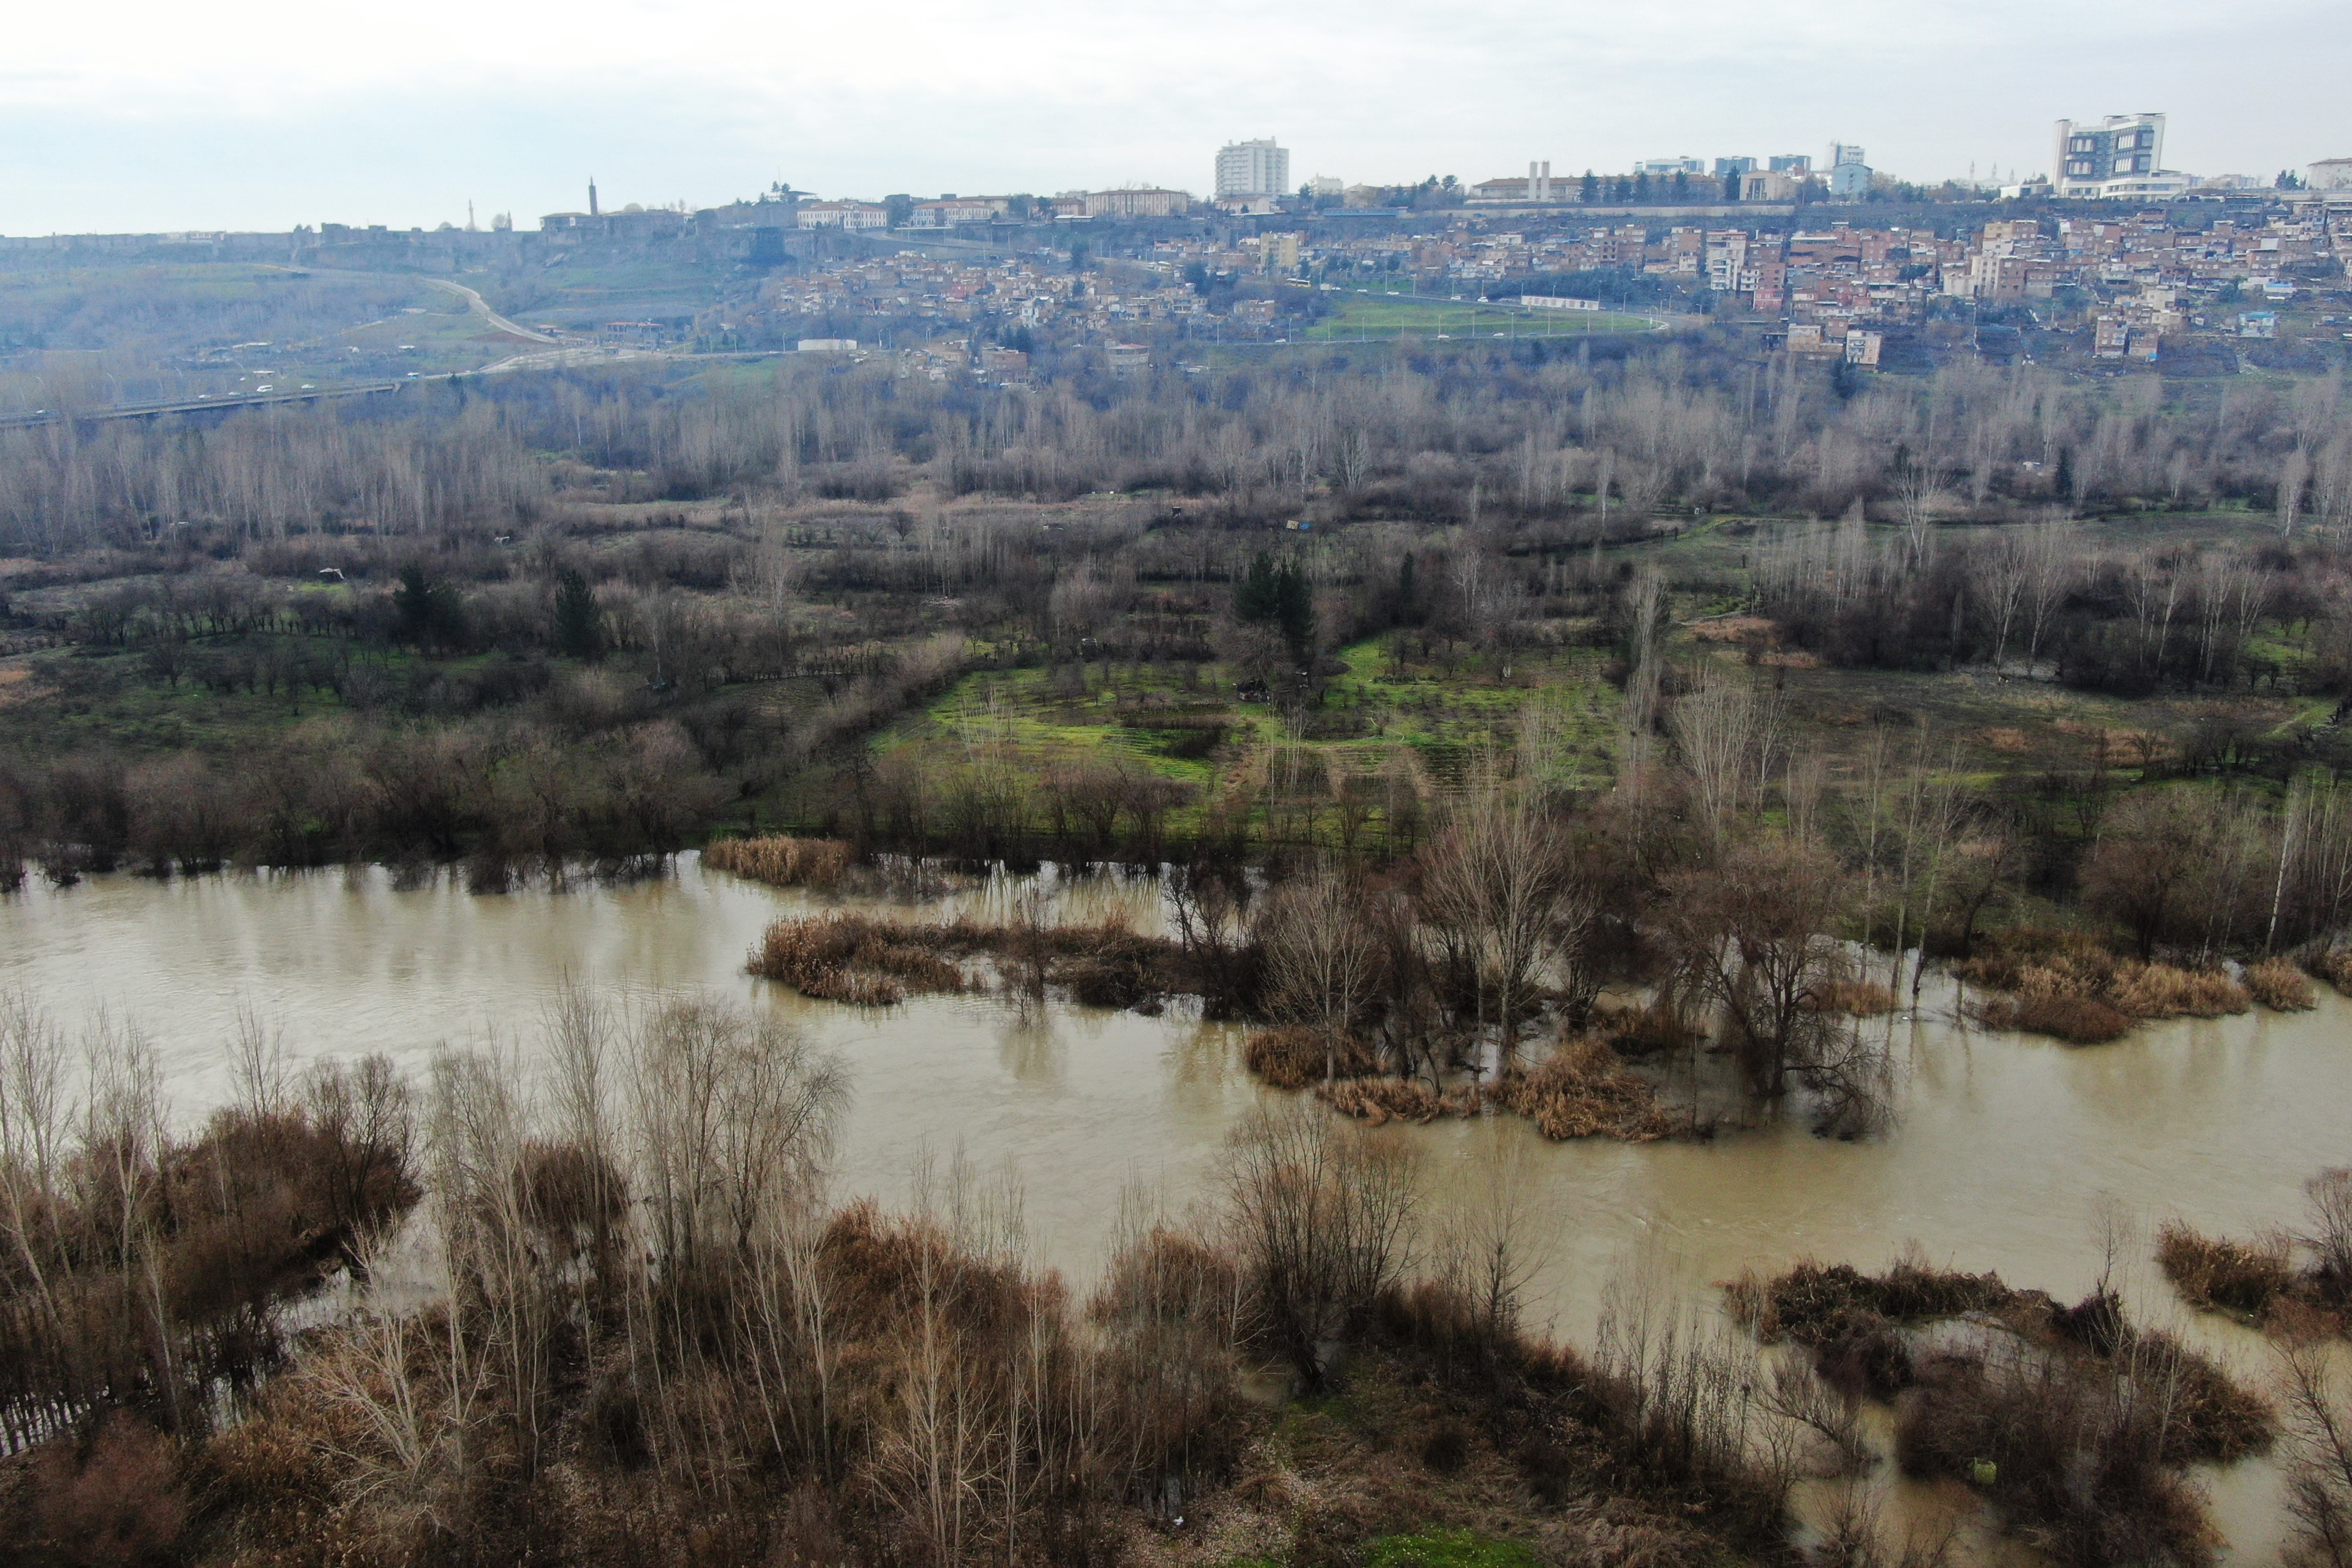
[
  {"x": 474, "y": 303},
  {"x": 201, "y": 405}
]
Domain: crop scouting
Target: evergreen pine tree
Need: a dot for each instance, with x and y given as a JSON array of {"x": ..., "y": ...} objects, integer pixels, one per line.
[
  {"x": 1295, "y": 612},
  {"x": 1258, "y": 601},
  {"x": 578, "y": 623}
]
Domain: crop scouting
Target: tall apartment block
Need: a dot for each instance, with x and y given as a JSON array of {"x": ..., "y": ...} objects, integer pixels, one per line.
[{"x": 1253, "y": 169}]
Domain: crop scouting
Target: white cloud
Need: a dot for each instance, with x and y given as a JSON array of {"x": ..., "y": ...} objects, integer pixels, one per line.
[{"x": 132, "y": 114}]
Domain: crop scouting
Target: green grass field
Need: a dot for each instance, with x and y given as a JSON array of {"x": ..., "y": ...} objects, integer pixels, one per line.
[{"x": 1411, "y": 717}]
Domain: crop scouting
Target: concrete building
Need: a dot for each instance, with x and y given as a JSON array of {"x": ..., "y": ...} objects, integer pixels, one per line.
[
  {"x": 1253, "y": 169},
  {"x": 2120, "y": 158},
  {"x": 1538, "y": 186},
  {"x": 2329, "y": 175},
  {"x": 1727, "y": 168},
  {"x": 948, "y": 211},
  {"x": 1797, "y": 164},
  {"x": 844, "y": 215},
  {"x": 1849, "y": 173},
  {"x": 1768, "y": 185},
  {"x": 1137, "y": 201},
  {"x": 1667, "y": 168},
  {"x": 1327, "y": 187}
]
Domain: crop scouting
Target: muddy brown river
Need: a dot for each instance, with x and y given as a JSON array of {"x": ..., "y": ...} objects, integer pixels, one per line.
[{"x": 2009, "y": 1153}]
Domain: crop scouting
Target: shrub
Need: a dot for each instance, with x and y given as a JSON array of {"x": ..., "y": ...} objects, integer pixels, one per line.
[
  {"x": 2075, "y": 1460},
  {"x": 1814, "y": 1304},
  {"x": 2078, "y": 1423},
  {"x": 2331, "y": 964},
  {"x": 2231, "y": 1276},
  {"x": 115, "y": 1500},
  {"x": 2279, "y": 986},
  {"x": 1581, "y": 1090}
]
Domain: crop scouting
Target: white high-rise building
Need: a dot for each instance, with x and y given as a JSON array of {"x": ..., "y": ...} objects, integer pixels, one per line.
[
  {"x": 1849, "y": 172},
  {"x": 2120, "y": 157},
  {"x": 1253, "y": 169}
]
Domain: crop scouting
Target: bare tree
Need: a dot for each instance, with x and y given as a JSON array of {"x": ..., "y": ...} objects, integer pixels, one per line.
[
  {"x": 1500, "y": 883},
  {"x": 1320, "y": 1215},
  {"x": 1322, "y": 958},
  {"x": 1751, "y": 934}
]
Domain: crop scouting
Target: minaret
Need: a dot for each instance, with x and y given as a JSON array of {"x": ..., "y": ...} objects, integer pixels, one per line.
[{"x": 591, "y": 195}]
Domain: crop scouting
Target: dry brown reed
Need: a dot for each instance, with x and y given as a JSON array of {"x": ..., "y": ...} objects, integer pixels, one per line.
[
  {"x": 744, "y": 1376},
  {"x": 2080, "y": 1020},
  {"x": 1583, "y": 1091},
  {"x": 2279, "y": 986},
  {"x": 2165, "y": 991},
  {"x": 853, "y": 959},
  {"x": 2290, "y": 1286},
  {"x": 1852, "y": 996},
  {"x": 2243, "y": 1276},
  {"x": 1375, "y": 1101},
  {"x": 869, "y": 960},
  {"x": 783, "y": 862},
  {"x": 1655, "y": 1027},
  {"x": 1294, "y": 1056},
  {"x": 2066, "y": 985}
]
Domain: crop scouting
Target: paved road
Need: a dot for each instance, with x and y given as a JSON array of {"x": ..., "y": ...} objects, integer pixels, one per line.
[
  {"x": 474, "y": 303},
  {"x": 481, "y": 306}
]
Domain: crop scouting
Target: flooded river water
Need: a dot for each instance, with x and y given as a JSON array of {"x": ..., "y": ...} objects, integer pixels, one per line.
[{"x": 2009, "y": 1153}]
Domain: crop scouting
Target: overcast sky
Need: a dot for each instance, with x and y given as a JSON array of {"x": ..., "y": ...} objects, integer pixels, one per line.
[{"x": 160, "y": 114}]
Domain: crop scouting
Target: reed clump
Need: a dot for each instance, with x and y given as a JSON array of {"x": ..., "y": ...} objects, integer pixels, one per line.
[
  {"x": 2243, "y": 1276},
  {"x": 2077, "y": 1020},
  {"x": 2165, "y": 991},
  {"x": 781, "y": 860},
  {"x": 1850, "y": 996},
  {"x": 2279, "y": 986},
  {"x": 2067, "y": 985},
  {"x": 1378, "y": 1100},
  {"x": 1653, "y": 1028},
  {"x": 853, "y": 959},
  {"x": 2074, "y": 1462},
  {"x": 1581, "y": 1090},
  {"x": 2290, "y": 1285},
  {"x": 1293, "y": 1056},
  {"x": 864, "y": 960}
]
